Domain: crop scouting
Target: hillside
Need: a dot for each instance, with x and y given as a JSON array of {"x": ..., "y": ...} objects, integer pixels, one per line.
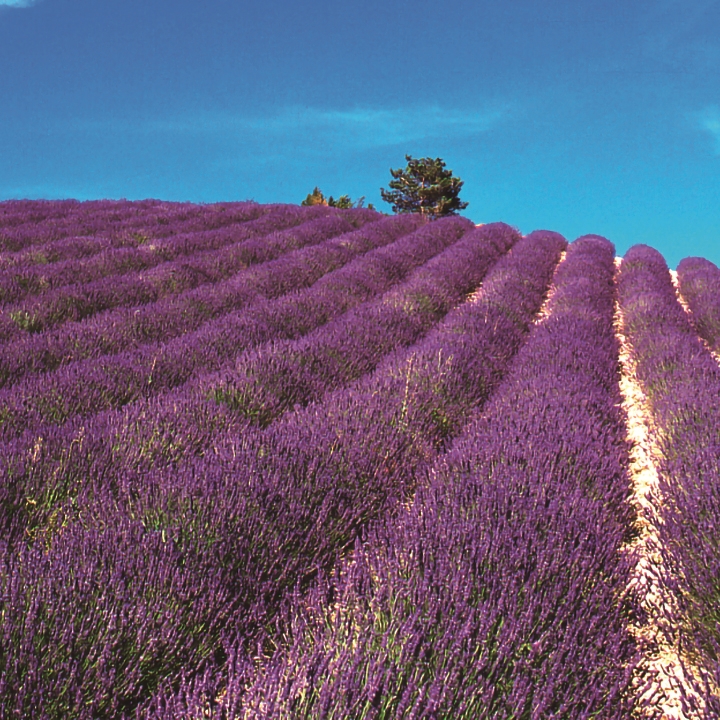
[{"x": 269, "y": 461}]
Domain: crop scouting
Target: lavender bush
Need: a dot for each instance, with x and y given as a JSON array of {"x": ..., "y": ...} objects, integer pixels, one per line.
[
  {"x": 699, "y": 281},
  {"x": 77, "y": 301},
  {"x": 501, "y": 591},
  {"x": 38, "y": 275},
  {"x": 31, "y": 226},
  {"x": 123, "y": 329},
  {"x": 112, "y": 381},
  {"x": 254, "y": 517},
  {"x": 180, "y": 423},
  {"x": 267, "y": 381},
  {"x": 268, "y": 461},
  {"x": 121, "y": 232}
]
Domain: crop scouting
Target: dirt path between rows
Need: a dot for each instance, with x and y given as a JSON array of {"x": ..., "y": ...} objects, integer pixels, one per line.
[{"x": 663, "y": 676}]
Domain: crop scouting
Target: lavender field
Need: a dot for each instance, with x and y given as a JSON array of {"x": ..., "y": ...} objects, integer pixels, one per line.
[{"x": 270, "y": 461}]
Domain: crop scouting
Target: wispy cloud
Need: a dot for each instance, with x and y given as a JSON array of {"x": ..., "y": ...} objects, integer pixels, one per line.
[
  {"x": 368, "y": 127},
  {"x": 17, "y": 3},
  {"x": 709, "y": 121},
  {"x": 355, "y": 128}
]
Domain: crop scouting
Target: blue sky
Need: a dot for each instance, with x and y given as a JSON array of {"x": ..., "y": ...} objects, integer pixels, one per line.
[{"x": 581, "y": 116}]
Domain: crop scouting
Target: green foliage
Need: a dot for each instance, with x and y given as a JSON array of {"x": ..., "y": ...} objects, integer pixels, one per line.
[
  {"x": 344, "y": 202},
  {"x": 24, "y": 320},
  {"x": 140, "y": 238},
  {"x": 424, "y": 186}
]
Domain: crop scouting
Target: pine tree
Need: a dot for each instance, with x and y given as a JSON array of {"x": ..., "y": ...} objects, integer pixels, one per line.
[
  {"x": 424, "y": 186},
  {"x": 343, "y": 202}
]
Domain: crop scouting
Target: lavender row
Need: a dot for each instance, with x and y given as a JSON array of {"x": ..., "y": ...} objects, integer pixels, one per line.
[
  {"x": 699, "y": 283},
  {"x": 69, "y": 248},
  {"x": 24, "y": 282},
  {"x": 74, "y": 302},
  {"x": 126, "y": 329},
  {"x": 82, "y": 299},
  {"x": 177, "y": 423},
  {"x": 117, "y": 235},
  {"x": 315, "y": 479},
  {"x": 500, "y": 592},
  {"x": 681, "y": 381},
  {"x": 273, "y": 378},
  {"x": 90, "y": 386},
  {"x": 27, "y": 224},
  {"x": 240, "y": 528}
]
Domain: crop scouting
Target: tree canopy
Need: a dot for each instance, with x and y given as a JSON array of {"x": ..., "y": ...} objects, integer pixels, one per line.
[{"x": 424, "y": 186}]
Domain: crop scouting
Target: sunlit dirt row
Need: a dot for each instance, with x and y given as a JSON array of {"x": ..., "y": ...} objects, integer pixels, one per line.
[{"x": 662, "y": 678}]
